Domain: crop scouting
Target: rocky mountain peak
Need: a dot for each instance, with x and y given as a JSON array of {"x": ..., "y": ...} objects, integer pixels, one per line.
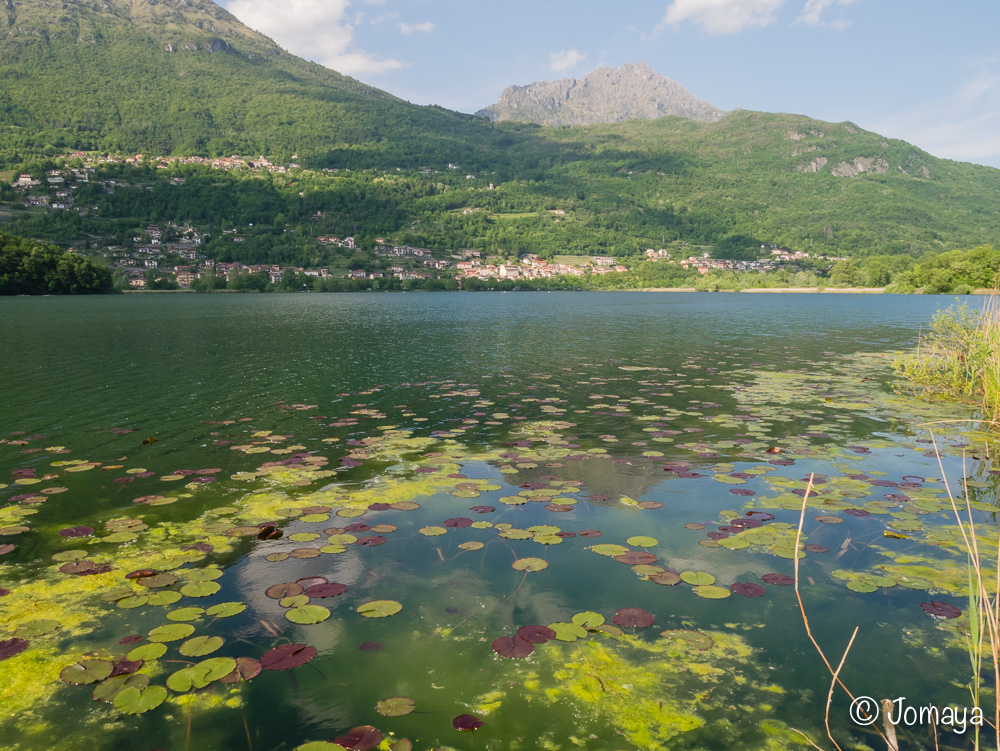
[{"x": 608, "y": 95}]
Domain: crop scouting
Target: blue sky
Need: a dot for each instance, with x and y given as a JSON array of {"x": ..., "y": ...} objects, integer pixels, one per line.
[{"x": 926, "y": 71}]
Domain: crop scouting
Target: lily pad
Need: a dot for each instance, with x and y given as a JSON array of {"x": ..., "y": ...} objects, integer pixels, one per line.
[
  {"x": 536, "y": 634},
  {"x": 513, "y": 647},
  {"x": 148, "y": 652},
  {"x": 287, "y": 657},
  {"x": 697, "y": 578},
  {"x": 398, "y": 706},
  {"x": 633, "y": 618},
  {"x": 171, "y": 632},
  {"x": 939, "y": 609},
  {"x": 200, "y": 646},
  {"x": 694, "y": 639},
  {"x": 781, "y": 580},
  {"x": 11, "y": 647},
  {"x": 379, "y": 608},
  {"x": 568, "y": 631},
  {"x": 748, "y": 589},
  {"x": 325, "y": 590},
  {"x": 133, "y": 701},
  {"x": 588, "y": 619},
  {"x": 86, "y": 672},
  {"x": 226, "y": 609},
  {"x": 710, "y": 592},
  {"x": 530, "y": 564},
  {"x": 308, "y": 614},
  {"x": 467, "y": 722},
  {"x": 200, "y": 589},
  {"x": 641, "y": 541},
  {"x": 363, "y": 738}
]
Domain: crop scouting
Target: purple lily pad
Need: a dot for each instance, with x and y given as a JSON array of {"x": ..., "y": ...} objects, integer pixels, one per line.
[
  {"x": 370, "y": 541},
  {"x": 636, "y": 558},
  {"x": 11, "y": 647},
  {"x": 536, "y": 634},
  {"x": 287, "y": 656},
  {"x": 513, "y": 647},
  {"x": 781, "y": 580},
  {"x": 633, "y": 618},
  {"x": 939, "y": 609},
  {"x": 370, "y": 646},
  {"x": 76, "y": 532},
  {"x": 860, "y": 512},
  {"x": 467, "y": 722},
  {"x": 327, "y": 589},
  {"x": 816, "y": 548},
  {"x": 748, "y": 589},
  {"x": 363, "y": 738},
  {"x": 8, "y": 548},
  {"x": 483, "y": 509},
  {"x": 458, "y": 522}
]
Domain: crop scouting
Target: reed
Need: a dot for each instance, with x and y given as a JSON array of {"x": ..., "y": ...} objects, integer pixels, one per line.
[{"x": 959, "y": 358}]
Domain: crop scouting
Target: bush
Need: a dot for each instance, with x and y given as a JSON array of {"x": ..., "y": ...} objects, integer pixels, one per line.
[{"x": 958, "y": 358}]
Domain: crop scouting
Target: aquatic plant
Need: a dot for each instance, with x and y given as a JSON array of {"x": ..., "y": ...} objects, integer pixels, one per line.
[{"x": 958, "y": 358}]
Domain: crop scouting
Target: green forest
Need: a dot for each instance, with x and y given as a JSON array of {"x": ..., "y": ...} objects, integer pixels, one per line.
[{"x": 30, "y": 268}]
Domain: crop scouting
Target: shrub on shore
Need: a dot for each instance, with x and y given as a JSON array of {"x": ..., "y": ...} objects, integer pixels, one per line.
[{"x": 959, "y": 357}]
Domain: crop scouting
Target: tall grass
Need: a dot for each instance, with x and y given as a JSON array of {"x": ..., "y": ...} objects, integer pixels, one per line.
[{"x": 958, "y": 358}]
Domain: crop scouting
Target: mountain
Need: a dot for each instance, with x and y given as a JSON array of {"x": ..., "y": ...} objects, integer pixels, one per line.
[
  {"x": 185, "y": 76},
  {"x": 608, "y": 95}
]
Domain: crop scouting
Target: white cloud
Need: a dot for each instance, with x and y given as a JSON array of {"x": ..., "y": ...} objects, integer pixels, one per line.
[
  {"x": 560, "y": 61},
  {"x": 964, "y": 125},
  {"x": 722, "y": 16},
  {"x": 813, "y": 12},
  {"x": 408, "y": 29},
  {"x": 319, "y": 30}
]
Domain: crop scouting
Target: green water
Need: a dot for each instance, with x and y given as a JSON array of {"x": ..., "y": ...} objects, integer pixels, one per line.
[{"x": 638, "y": 414}]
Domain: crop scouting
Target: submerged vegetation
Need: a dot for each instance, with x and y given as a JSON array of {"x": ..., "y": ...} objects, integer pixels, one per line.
[{"x": 597, "y": 557}]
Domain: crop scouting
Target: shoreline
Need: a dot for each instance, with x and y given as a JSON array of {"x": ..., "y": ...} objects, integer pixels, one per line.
[{"x": 768, "y": 290}]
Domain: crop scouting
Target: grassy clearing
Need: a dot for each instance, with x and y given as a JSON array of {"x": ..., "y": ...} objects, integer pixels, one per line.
[{"x": 958, "y": 358}]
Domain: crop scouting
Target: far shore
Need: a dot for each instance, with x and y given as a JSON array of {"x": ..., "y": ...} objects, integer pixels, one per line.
[{"x": 798, "y": 290}]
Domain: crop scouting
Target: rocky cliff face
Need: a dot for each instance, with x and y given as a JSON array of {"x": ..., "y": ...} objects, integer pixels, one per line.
[{"x": 608, "y": 95}]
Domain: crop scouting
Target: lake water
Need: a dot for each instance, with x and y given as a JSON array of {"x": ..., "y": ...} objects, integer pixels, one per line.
[{"x": 446, "y": 469}]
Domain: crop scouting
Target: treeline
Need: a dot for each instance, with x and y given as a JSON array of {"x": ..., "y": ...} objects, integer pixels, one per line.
[{"x": 30, "y": 268}]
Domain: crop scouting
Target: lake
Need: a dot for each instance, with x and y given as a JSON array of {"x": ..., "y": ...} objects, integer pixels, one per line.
[{"x": 475, "y": 521}]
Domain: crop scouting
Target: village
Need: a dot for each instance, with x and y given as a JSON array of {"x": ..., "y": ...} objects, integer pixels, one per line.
[{"x": 174, "y": 254}]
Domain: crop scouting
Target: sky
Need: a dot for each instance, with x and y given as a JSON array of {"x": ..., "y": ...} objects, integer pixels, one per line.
[{"x": 925, "y": 71}]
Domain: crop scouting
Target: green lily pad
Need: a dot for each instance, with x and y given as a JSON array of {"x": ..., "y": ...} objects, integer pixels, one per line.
[
  {"x": 164, "y": 598},
  {"x": 609, "y": 550},
  {"x": 859, "y": 586},
  {"x": 86, "y": 672},
  {"x": 199, "y": 646},
  {"x": 295, "y": 601},
  {"x": 132, "y": 602},
  {"x": 588, "y": 619},
  {"x": 641, "y": 541},
  {"x": 133, "y": 701},
  {"x": 200, "y": 589},
  {"x": 226, "y": 609},
  {"x": 530, "y": 564},
  {"x": 309, "y": 614},
  {"x": 568, "y": 631},
  {"x": 108, "y": 689},
  {"x": 433, "y": 531},
  {"x": 147, "y": 652},
  {"x": 379, "y": 608},
  {"x": 203, "y": 574},
  {"x": 37, "y": 628},
  {"x": 697, "y": 578},
  {"x": 398, "y": 706},
  {"x": 185, "y": 614},
  {"x": 710, "y": 592},
  {"x": 171, "y": 632}
]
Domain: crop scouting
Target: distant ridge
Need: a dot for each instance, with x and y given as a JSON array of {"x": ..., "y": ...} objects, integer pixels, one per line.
[{"x": 608, "y": 95}]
